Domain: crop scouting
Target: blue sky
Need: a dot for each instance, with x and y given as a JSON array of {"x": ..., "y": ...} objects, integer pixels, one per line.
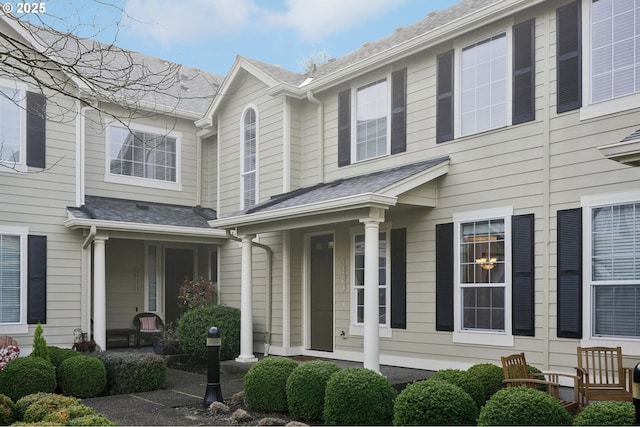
[{"x": 208, "y": 34}]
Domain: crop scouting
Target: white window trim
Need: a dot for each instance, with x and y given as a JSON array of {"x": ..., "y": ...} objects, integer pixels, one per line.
[
  {"x": 631, "y": 347},
  {"x": 504, "y": 27},
  {"x": 356, "y": 329},
  {"x": 591, "y": 110},
  {"x": 21, "y": 327},
  {"x": 503, "y": 339},
  {"x": 384, "y": 75},
  {"x": 242, "y": 142},
  {"x": 22, "y": 165},
  {"x": 138, "y": 181}
]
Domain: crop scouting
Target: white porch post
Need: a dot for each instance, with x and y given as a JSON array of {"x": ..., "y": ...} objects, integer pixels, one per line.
[
  {"x": 99, "y": 293},
  {"x": 246, "y": 306},
  {"x": 371, "y": 290}
]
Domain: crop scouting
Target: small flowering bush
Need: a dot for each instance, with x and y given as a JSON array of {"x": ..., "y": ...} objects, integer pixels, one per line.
[
  {"x": 194, "y": 293},
  {"x": 7, "y": 354}
]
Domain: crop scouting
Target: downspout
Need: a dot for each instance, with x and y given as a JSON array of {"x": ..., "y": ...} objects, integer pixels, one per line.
[
  {"x": 316, "y": 101},
  {"x": 269, "y": 251}
]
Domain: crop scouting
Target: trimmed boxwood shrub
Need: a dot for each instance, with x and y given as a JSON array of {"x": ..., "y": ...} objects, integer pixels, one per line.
[
  {"x": 37, "y": 407},
  {"x": 523, "y": 406},
  {"x": 490, "y": 376},
  {"x": 91, "y": 420},
  {"x": 7, "y": 410},
  {"x": 306, "y": 388},
  {"x": 434, "y": 402},
  {"x": 27, "y": 375},
  {"x": 358, "y": 396},
  {"x": 265, "y": 384},
  {"x": 607, "y": 413},
  {"x": 462, "y": 379},
  {"x": 59, "y": 355},
  {"x": 82, "y": 376},
  {"x": 133, "y": 372},
  {"x": 195, "y": 323}
]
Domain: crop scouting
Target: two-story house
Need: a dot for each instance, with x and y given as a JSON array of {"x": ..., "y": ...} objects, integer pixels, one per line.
[
  {"x": 459, "y": 190},
  {"x": 105, "y": 186}
]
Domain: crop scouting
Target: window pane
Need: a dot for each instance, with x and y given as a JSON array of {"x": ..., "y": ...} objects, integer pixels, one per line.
[
  {"x": 372, "y": 105},
  {"x": 152, "y": 279},
  {"x": 359, "y": 269},
  {"x": 10, "y": 275},
  {"x": 484, "y": 85},
  {"x": 614, "y": 243},
  {"x": 10, "y": 112},
  {"x": 483, "y": 308},
  {"x": 617, "y": 311}
]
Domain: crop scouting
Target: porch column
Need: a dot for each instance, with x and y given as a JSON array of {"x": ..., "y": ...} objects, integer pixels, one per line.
[
  {"x": 371, "y": 290},
  {"x": 246, "y": 306},
  {"x": 99, "y": 293}
]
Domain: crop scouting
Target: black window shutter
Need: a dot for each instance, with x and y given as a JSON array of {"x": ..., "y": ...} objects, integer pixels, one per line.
[
  {"x": 399, "y": 111},
  {"x": 570, "y": 273},
  {"x": 524, "y": 72},
  {"x": 36, "y": 130},
  {"x": 344, "y": 127},
  {"x": 568, "y": 57},
  {"x": 399, "y": 278},
  {"x": 37, "y": 279},
  {"x": 523, "y": 280},
  {"x": 444, "y": 99},
  {"x": 444, "y": 277}
]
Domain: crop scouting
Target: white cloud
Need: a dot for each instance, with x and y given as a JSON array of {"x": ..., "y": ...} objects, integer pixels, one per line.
[{"x": 175, "y": 21}]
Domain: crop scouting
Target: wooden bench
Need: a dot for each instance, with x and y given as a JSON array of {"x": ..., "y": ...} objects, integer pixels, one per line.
[{"x": 118, "y": 338}]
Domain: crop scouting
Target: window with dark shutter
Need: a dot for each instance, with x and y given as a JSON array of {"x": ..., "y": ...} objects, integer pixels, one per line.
[
  {"x": 523, "y": 280},
  {"x": 36, "y": 130},
  {"x": 399, "y": 111},
  {"x": 524, "y": 72},
  {"x": 444, "y": 99},
  {"x": 568, "y": 57},
  {"x": 444, "y": 277},
  {"x": 344, "y": 128},
  {"x": 399, "y": 278},
  {"x": 570, "y": 273},
  {"x": 37, "y": 280}
]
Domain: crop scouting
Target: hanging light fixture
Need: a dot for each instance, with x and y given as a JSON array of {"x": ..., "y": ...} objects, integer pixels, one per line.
[{"x": 486, "y": 263}]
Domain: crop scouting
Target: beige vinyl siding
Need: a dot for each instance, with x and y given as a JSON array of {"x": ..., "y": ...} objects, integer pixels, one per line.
[
  {"x": 125, "y": 281},
  {"x": 209, "y": 164}
]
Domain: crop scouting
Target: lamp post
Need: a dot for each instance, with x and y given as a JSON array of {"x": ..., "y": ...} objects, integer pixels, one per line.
[{"x": 213, "y": 392}]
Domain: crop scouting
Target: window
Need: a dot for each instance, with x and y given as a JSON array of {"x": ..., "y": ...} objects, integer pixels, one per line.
[
  {"x": 482, "y": 275},
  {"x": 143, "y": 153},
  {"x": 249, "y": 157},
  {"x": 152, "y": 278},
  {"x": 11, "y": 125},
  {"x": 615, "y": 49},
  {"x": 483, "y": 92},
  {"x": 372, "y": 107},
  {"x": 615, "y": 270},
  {"x": 383, "y": 281},
  {"x": 13, "y": 280}
]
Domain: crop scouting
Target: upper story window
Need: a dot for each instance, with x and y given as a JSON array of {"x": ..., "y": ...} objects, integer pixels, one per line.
[
  {"x": 371, "y": 120},
  {"x": 12, "y": 141},
  {"x": 249, "y": 145},
  {"x": 143, "y": 156}
]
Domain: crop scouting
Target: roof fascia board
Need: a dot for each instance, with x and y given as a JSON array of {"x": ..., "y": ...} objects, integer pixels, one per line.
[
  {"x": 342, "y": 204},
  {"x": 481, "y": 17},
  {"x": 78, "y": 223}
]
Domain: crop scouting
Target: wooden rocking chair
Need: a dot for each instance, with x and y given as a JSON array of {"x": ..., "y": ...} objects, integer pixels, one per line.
[
  {"x": 516, "y": 373},
  {"x": 603, "y": 376}
]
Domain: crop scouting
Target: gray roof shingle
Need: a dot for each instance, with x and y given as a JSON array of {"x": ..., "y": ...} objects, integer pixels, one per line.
[
  {"x": 633, "y": 137},
  {"x": 136, "y": 212}
]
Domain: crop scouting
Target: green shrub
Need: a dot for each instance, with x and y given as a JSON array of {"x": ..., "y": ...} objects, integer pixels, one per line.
[
  {"x": 133, "y": 372},
  {"x": 468, "y": 382},
  {"x": 7, "y": 410},
  {"x": 196, "y": 322},
  {"x": 434, "y": 402},
  {"x": 91, "y": 420},
  {"x": 607, "y": 413},
  {"x": 23, "y": 403},
  {"x": 39, "y": 344},
  {"x": 27, "y": 375},
  {"x": 265, "y": 384},
  {"x": 358, "y": 396},
  {"x": 82, "y": 376},
  {"x": 57, "y": 355},
  {"x": 306, "y": 388},
  {"x": 490, "y": 376},
  {"x": 43, "y": 405},
  {"x": 523, "y": 406}
]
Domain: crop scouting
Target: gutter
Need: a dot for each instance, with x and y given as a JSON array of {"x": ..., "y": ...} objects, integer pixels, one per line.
[
  {"x": 269, "y": 251},
  {"x": 320, "y": 105}
]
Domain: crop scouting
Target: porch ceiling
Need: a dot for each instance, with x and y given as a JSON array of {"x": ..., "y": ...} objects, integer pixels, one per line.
[{"x": 343, "y": 199}]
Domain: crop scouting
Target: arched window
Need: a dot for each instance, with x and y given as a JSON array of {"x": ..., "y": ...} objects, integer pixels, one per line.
[{"x": 249, "y": 159}]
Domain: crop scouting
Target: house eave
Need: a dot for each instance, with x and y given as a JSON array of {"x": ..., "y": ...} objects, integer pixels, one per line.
[
  {"x": 627, "y": 152},
  {"x": 81, "y": 223}
]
